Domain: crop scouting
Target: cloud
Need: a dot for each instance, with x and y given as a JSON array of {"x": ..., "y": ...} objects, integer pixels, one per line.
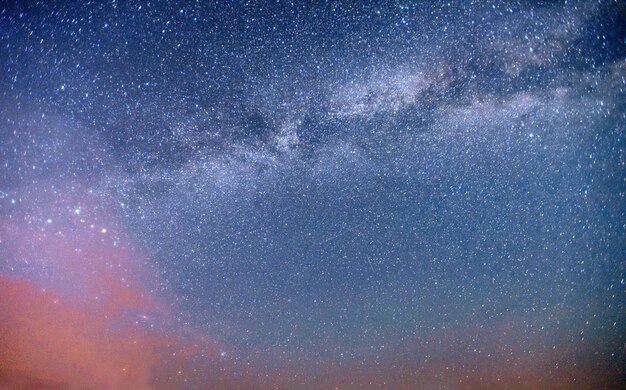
[
  {"x": 50, "y": 340},
  {"x": 78, "y": 306}
]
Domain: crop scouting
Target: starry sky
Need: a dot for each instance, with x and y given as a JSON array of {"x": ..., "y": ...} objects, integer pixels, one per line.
[{"x": 312, "y": 195}]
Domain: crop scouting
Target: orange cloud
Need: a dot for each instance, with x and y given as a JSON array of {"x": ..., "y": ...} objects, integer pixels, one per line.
[
  {"x": 46, "y": 340},
  {"x": 75, "y": 307}
]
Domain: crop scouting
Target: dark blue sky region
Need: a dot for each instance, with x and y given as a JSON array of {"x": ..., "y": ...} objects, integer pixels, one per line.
[{"x": 313, "y": 195}]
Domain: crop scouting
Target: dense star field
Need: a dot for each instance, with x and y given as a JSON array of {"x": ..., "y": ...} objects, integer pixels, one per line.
[{"x": 312, "y": 195}]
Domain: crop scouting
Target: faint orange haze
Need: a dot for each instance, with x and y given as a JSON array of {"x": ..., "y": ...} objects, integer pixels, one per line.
[
  {"x": 71, "y": 319},
  {"x": 46, "y": 340}
]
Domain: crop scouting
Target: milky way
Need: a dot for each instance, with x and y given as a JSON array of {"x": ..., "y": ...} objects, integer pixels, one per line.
[{"x": 253, "y": 195}]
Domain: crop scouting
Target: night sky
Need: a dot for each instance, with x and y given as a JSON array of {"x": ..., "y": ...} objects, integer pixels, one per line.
[{"x": 316, "y": 195}]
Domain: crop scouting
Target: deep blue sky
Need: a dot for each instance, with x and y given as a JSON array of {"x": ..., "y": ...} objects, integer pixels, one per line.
[{"x": 392, "y": 195}]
